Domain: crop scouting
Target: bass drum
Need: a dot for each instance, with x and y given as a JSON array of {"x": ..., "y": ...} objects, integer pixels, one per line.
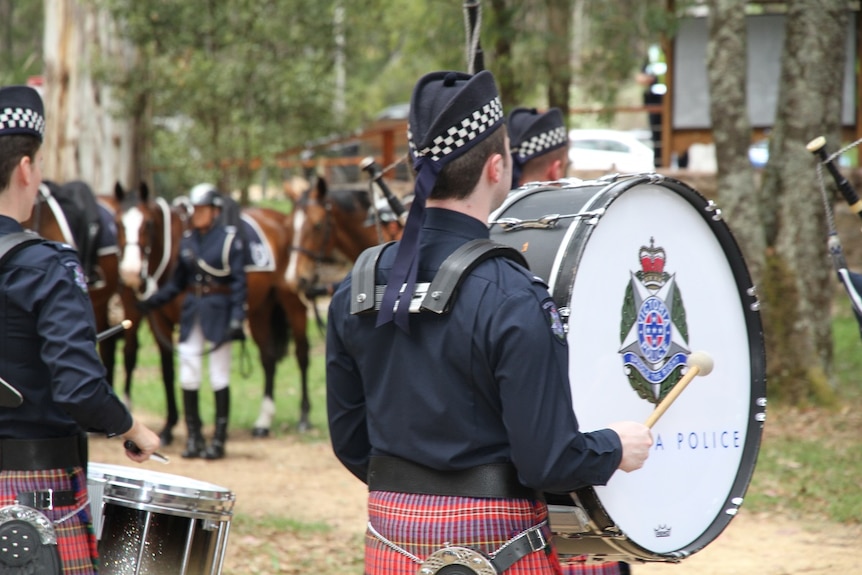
[{"x": 645, "y": 271}]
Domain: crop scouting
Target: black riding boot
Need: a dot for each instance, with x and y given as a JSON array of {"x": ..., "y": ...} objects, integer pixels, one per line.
[
  {"x": 195, "y": 445},
  {"x": 222, "y": 405}
]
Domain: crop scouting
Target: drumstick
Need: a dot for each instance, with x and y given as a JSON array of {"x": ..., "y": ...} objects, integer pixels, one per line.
[
  {"x": 131, "y": 446},
  {"x": 114, "y": 330},
  {"x": 699, "y": 363}
]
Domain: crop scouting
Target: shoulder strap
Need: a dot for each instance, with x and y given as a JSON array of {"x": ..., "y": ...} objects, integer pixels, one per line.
[
  {"x": 458, "y": 266},
  {"x": 438, "y": 296},
  {"x": 10, "y": 244},
  {"x": 362, "y": 278}
]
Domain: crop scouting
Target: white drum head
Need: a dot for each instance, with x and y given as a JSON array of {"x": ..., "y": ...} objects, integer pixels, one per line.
[{"x": 648, "y": 246}]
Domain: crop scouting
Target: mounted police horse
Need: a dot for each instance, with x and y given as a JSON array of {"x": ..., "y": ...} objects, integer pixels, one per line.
[
  {"x": 273, "y": 310},
  {"x": 334, "y": 225},
  {"x": 71, "y": 213}
]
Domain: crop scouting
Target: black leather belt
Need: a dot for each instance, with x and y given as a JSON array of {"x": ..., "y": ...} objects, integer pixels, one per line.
[
  {"x": 208, "y": 289},
  {"x": 46, "y": 499},
  {"x": 493, "y": 480},
  {"x": 41, "y": 454}
]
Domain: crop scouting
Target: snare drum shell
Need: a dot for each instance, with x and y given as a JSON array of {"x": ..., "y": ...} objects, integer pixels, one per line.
[
  {"x": 156, "y": 523},
  {"x": 645, "y": 271}
]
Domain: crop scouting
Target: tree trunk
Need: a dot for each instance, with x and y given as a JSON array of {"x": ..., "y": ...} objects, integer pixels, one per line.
[
  {"x": 798, "y": 322},
  {"x": 731, "y": 130},
  {"x": 558, "y": 54},
  {"x": 84, "y": 140}
]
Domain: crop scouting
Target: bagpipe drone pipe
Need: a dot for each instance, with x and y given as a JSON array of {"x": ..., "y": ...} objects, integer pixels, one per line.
[{"x": 852, "y": 281}]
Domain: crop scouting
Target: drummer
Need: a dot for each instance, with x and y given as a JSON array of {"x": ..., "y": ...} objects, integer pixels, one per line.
[
  {"x": 539, "y": 145},
  {"x": 457, "y": 421},
  {"x": 56, "y": 389}
]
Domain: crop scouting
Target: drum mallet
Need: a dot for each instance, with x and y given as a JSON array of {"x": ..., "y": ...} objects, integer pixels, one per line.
[{"x": 699, "y": 363}]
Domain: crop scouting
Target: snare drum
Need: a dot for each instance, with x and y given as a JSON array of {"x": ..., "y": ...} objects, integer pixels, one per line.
[
  {"x": 156, "y": 523},
  {"x": 644, "y": 270}
]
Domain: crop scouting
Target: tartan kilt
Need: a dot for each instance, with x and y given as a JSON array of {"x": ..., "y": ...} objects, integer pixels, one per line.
[
  {"x": 76, "y": 539},
  {"x": 576, "y": 565},
  {"x": 423, "y": 524}
]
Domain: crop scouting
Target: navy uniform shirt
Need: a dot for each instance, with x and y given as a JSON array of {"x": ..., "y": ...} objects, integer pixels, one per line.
[
  {"x": 214, "y": 258},
  {"x": 48, "y": 347},
  {"x": 486, "y": 383}
]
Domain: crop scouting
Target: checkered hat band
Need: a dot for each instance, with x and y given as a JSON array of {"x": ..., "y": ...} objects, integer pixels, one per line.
[
  {"x": 21, "y": 118},
  {"x": 461, "y": 134},
  {"x": 541, "y": 142}
]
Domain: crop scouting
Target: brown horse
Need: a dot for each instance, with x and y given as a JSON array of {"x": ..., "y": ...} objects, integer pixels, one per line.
[
  {"x": 148, "y": 235},
  {"x": 100, "y": 261},
  {"x": 331, "y": 223},
  {"x": 273, "y": 311}
]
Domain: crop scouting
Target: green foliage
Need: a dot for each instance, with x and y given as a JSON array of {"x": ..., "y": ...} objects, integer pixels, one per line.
[{"x": 21, "y": 24}]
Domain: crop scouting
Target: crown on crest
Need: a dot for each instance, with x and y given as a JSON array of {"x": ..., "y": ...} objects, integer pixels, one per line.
[{"x": 652, "y": 263}]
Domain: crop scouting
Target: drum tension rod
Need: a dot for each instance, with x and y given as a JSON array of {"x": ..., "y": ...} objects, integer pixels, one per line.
[{"x": 545, "y": 222}]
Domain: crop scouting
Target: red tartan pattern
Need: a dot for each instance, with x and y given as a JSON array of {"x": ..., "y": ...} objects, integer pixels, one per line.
[
  {"x": 575, "y": 565},
  {"x": 423, "y": 524},
  {"x": 75, "y": 537}
]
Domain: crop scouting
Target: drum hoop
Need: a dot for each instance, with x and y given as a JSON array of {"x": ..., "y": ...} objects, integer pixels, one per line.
[
  {"x": 589, "y": 497},
  {"x": 188, "y": 500}
]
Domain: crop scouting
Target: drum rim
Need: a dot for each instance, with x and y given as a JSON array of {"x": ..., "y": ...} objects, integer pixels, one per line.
[
  {"x": 607, "y": 191},
  {"x": 187, "y": 501}
]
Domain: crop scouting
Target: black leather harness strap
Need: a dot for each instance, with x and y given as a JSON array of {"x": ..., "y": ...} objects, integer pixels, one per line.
[
  {"x": 458, "y": 265},
  {"x": 11, "y": 243},
  {"x": 491, "y": 481},
  {"x": 362, "y": 285},
  {"x": 365, "y": 295}
]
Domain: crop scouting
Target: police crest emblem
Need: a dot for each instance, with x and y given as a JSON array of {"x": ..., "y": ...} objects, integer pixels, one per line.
[{"x": 653, "y": 331}]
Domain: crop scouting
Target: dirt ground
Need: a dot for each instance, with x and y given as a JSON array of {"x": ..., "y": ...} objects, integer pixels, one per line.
[{"x": 292, "y": 477}]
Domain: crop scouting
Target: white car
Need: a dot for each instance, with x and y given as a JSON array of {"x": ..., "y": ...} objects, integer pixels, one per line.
[{"x": 609, "y": 150}]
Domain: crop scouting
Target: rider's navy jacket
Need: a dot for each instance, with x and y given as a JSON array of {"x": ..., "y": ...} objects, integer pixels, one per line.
[
  {"x": 486, "y": 383},
  {"x": 48, "y": 347},
  {"x": 210, "y": 271}
]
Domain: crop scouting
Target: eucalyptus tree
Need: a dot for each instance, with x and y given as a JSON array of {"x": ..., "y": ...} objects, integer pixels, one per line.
[{"x": 780, "y": 222}]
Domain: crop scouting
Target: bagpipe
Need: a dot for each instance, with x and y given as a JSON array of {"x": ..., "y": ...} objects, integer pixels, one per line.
[{"x": 852, "y": 281}]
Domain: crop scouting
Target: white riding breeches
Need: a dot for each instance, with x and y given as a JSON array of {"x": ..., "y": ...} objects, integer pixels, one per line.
[{"x": 191, "y": 353}]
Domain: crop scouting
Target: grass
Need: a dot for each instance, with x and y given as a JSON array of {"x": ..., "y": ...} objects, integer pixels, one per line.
[
  {"x": 247, "y": 387},
  {"x": 810, "y": 460},
  {"x": 809, "y": 463}
]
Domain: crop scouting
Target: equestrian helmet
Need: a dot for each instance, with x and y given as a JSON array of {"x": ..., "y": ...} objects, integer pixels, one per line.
[{"x": 205, "y": 195}]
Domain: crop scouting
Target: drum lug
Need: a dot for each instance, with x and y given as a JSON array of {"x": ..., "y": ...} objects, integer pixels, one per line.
[
  {"x": 209, "y": 525},
  {"x": 716, "y": 211},
  {"x": 752, "y": 292}
]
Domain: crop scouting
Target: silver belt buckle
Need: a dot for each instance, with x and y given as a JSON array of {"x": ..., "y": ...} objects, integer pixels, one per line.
[
  {"x": 473, "y": 560},
  {"x": 43, "y": 500}
]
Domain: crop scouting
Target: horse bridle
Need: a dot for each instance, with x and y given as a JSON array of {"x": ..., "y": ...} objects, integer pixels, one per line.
[{"x": 320, "y": 257}]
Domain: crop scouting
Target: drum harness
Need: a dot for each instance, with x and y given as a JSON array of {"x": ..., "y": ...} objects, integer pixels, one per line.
[{"x": 29, "y": 541}]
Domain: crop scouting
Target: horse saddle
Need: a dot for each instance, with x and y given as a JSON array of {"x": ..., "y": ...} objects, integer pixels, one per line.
[{"x": 77, "y": 213}]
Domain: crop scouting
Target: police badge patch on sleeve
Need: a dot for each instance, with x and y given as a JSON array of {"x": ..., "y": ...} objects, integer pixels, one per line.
[
  {"x": 554, "y": 320},
  {"x": 78, "y": 275}
]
